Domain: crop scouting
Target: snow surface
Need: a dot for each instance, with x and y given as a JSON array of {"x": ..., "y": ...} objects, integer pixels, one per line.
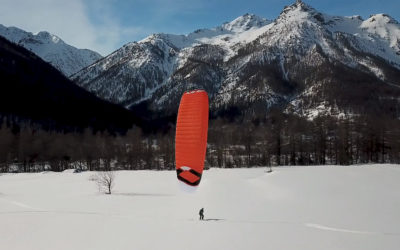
[{"x": 321, "y": 207}]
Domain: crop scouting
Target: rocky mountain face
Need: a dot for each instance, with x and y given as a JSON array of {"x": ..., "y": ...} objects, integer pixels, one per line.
[
  {"x": 304, "y": 62},
  {"x": 52, "y": 49}
]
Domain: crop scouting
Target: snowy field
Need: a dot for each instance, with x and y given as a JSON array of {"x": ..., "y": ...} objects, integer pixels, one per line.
[{"x": 326, "y": 207}]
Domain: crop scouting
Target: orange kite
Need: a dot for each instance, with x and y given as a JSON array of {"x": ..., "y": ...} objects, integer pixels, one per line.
[{"x": 191, "y": 136}]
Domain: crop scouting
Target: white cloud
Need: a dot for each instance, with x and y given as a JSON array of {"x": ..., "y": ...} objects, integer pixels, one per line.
[{"x": 67, "y": 19}]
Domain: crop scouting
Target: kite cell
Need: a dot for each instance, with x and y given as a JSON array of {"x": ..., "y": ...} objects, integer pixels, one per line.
[{"x": 191, "y": 136}]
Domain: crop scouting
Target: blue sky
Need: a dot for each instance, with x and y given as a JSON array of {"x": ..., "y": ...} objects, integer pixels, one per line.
[{"x": 105, "y": 25}]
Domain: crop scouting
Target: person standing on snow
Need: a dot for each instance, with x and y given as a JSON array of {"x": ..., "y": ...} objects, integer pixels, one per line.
[{"x": 201, "y": 213}]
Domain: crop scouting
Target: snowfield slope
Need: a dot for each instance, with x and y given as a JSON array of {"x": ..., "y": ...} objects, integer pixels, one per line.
[{"x": 326, "y": 207}]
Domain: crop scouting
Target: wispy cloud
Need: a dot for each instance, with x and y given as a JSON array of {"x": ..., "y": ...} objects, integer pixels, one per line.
[
  {"x": 110, "y": 31},
  {"x": 67, "y": 19}
]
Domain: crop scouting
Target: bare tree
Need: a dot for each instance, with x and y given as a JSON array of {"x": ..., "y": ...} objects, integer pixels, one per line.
[{"x": 105, "y": 181}]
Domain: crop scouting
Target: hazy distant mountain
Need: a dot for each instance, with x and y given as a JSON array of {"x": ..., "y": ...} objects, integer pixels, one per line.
[
  {"x": 304, "y": 62},
  {"x": 52, "y": 49}
]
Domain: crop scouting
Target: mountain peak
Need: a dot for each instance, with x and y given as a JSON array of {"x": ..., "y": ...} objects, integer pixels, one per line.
[
  {"x": 52, "y": 49},
  {"x": 386, "y": 27},
  {"x": 300, "y": 10},
  {"x": 245, "y": 22},
  {"x": 49, "y": 37},
  {"x": 382, "y": 18},
  {"x": 299, "y": 4}
]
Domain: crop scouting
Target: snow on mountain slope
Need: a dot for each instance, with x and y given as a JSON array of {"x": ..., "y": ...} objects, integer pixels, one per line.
[
  {"x": 253, "y": 64},
  {"x": 243, "y": 29},
  {"x": 132, "y": 73},
  {"x": 52, "y": 49},
  {"x": 245, "y": 22},
  {"x": 303, "y": 208},
  {"x": 306, "y": 47},
  {"x": 384, "y": 26},
  {"x": 379, "y": 35}
]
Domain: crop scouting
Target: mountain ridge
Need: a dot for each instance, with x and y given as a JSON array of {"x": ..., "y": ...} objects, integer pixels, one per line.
[
  {"x": 284, "y": 63},
  {"x": 52, "y": 49},
  {"x": 34, "y": 93}
]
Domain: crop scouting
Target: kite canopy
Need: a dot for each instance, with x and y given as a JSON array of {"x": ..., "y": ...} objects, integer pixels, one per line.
[{"x": 191, "y": 136}]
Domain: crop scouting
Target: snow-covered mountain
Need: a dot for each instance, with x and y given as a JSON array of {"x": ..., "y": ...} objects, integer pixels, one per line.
[
  {"x": 134, "y": 72},
  {"x": 52, "y": 49},
  {"x": 304, "y": 62}
]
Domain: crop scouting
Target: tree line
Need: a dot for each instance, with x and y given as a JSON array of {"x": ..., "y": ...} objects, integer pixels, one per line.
[
  {"x": 291, "y": 140},
  {"x": 279, "y": 139}
]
